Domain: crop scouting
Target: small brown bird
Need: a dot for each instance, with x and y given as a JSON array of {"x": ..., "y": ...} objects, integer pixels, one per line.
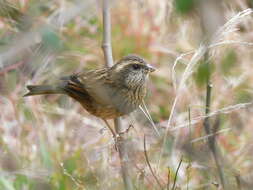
[{"x": 106, "y": 93}]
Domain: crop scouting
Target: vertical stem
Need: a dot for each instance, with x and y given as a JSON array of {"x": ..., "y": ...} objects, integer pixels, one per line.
[
  {"x": 121, "y": 144},
  {"x": 124, "y": 159},
  {"x": 208, "y": 95},
  {"x": 106, "y": 44},
  {"x": 211, "y": 139},
  {"x": 211, "y": 15}
]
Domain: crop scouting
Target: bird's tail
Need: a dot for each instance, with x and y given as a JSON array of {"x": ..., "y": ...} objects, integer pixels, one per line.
[{"x": 43, "y": 89}]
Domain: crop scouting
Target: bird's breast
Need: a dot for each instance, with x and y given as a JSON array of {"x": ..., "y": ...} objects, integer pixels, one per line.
[
  {"x": 128, "y": 100},
  {"x": 112, "y": 102}
]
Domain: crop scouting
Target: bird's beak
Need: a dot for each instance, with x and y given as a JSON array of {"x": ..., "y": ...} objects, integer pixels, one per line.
[{"x": 150, "y": 68}]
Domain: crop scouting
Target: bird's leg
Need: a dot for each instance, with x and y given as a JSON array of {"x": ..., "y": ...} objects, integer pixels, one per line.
[
  {"x": 113, "y": 133},
  {"x": 126, "y": 131}
]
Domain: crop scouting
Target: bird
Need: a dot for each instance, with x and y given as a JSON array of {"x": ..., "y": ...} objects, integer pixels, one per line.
[{"x": 107, "y": 93}]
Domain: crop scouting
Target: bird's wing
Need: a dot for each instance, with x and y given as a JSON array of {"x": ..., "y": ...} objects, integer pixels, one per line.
[
  {"x": 107, "y": 92},
  {"x": 97, "y": 83},
  {"x": 72, "y": 86}
]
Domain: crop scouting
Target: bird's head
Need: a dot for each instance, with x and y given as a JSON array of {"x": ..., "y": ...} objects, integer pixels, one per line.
[{"x": 131, "y": 71}]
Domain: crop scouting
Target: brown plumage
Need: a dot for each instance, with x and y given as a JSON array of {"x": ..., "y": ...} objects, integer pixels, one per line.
[{"x": 106, "y": 93}]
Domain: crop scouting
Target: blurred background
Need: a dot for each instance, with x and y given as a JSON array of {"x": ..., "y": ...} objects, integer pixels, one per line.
[{"x": 51, "y": 142}]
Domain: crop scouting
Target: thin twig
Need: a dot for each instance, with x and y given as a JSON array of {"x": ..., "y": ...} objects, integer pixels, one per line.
[
  {"x": 211, "y": 139},
  {"x": 225, "y": 110},
  {"x": 168, "y": 179},
  {"x": 208, "y": 99},
  {"x": 112, "y": 131},
  {"x": 11, "y": 67},
  {"x": 77, "y": 182},
  {"x": 238, "y": 182},
  {"x": 149, "y": 166},
  {"x": 189, "y": 118},
  {"x": 127, "y": 130},
  {"x": 145, "y": 111},
  {"x": 191, "y": 146},
  {"x": 210, "y": 135},
  {"x": 175, "y": 178},
  {"x": 188, "y": 175}
]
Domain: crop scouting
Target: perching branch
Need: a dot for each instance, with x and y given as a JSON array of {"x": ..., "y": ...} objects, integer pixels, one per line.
[
  {"x": 106, "y": 45},
  {"x": 123, "y": 154},
  {"x": 120, "y": 141}
]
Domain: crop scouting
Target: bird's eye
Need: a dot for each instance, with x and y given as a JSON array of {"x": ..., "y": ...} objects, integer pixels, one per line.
[{"x": 136, "y": 66}]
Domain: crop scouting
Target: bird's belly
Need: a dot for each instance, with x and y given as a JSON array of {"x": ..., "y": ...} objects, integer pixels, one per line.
[
  {"x": 112, "y": 111},
  {"x": 107, "y": 113},
  {"x": 111, "y": 103}
]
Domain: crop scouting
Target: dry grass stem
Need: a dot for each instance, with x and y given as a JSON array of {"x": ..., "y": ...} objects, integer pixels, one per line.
[{"x": 149, "y": 165}]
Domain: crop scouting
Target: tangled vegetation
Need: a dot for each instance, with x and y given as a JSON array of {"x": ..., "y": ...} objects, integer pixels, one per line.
[{"x": 200, "y": 97}]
